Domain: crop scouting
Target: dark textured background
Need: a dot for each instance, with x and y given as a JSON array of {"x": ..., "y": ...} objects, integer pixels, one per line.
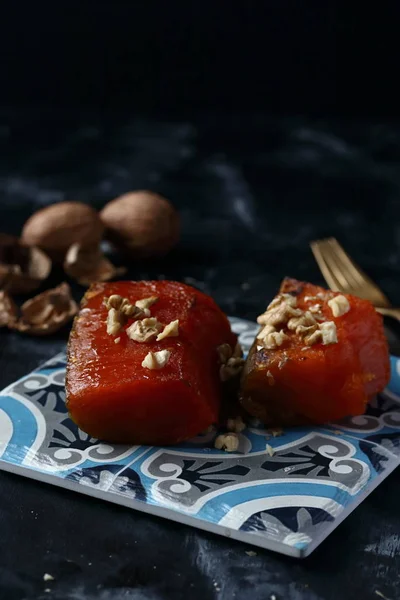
[{"x": 267, "y": 126}]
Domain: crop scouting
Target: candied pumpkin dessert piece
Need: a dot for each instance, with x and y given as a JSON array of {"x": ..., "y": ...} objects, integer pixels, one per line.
[
  {"x": 320, "y": 356},
  {"x": 144, "y": 362}
]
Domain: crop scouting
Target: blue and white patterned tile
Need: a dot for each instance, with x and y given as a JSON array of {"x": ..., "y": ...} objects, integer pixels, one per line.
[{"x": 288, "y": 498}]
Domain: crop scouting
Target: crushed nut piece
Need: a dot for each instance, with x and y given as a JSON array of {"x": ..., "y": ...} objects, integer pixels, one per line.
[
  {"x": 231, "y": 368},
  {"x": 259, "y": 348},
  {"x": 283, "y": 361},
  {"x": 170, "y": 330},
  {"x": 270, "y": 450},
  {"x": 265, "y": 331},
  {"x": 339, "y": 305},
  {"x": 114, "y": 321},
  {"x": 117, "y": 340},
  {"x": 228, "y": 442},
  {"x": 114, "y": 301},
  {"x": 321, "y": 295},
  {"x": 271, "y": 378},
  {"x": 289, "y": 299},
  {"x": 275, "y": 431},
  {"x": 238, "y": 351},
  {"x": 329, "y": 335},
  {"x": 146, "y": 302},
  {"x": 301, "y": 325},
  {"x": 144, "y": 330},
  {"x": 48, "y": 577},
  {"x": 251, "y": 553},
  {"x": 279, "y": 316},
  {"x": 310, "y": 340},
  {"x": 315, "y": 308},
  {"x": 156, "y": 360},
  {"x": 274, "y": 339},
  {"x": 235, "y": 424}
]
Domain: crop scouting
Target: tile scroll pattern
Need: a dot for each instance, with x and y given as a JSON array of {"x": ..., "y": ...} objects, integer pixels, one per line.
[{"x": 288, "y": 502}]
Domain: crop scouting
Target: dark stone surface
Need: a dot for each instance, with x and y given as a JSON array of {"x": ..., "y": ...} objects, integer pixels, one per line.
[{"x": 252, "y": 192}]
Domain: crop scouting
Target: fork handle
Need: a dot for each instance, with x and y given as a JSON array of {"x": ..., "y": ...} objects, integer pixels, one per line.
[{"x": 389, "y": 312}]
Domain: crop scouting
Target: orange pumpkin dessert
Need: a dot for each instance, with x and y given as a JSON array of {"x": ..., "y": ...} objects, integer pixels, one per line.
[
  {"x": 144, "y": 362},
  {"x": 320, "y": 356}
]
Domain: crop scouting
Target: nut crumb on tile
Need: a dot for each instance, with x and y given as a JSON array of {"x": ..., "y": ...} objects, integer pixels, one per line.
[
  {"x": 145, "y": 330},
  {"x": 270, "y": 450},
  {"x": 156, "y": 360},
  {"x": 339, "y": 305},
  {"x": 227, "y": 441},
  {"x": 231, "y": 368},
  {"x": 48, "y": 577},
  {"x": 251, "y": 553},
  {"x": 275, "y": 431},
  {"x": 236, "y": 424},
  {"x": 329, "y": 334},
  {"x": 170, "y": 330}
]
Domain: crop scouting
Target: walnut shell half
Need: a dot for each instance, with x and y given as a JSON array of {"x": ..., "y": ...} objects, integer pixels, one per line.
[
  {"x": 8, "y": 310},
  {"x": 87, "y": 265},
  {"x": 46, "y": 313},
  {"x": 22, "y": 268}
]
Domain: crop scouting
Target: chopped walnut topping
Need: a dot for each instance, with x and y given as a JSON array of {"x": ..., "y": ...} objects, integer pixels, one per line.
[
  {"x": 301, "y": 325},
  {"x": 231, "y": 361},
  {"x": 156, "y": 360},
  {"x": 313, "y": 338},
  {"x": 231, "y": 368},
  {"x": 228, "y": 442},
  {"x": 279, "y": 315},
  {"x": 235, "y": 424},
  {"x": 119, "y": 310},
  {"x": 170, "y": 330},
  {"x": 339, "y": 305},
  {"x": 144, "y": 330},
  {"x": 145, "y": 303},
  {"x": 114, "y": 321},
  {"x": 286, "y": 298},
  {"x": 274, "y": 339},
  {"x": 328, "y": 331},
  {"x": 315, "y": 308},
  {"x": 270, "y": 450},
  {"x": 265, "y": 331},
  {"x": 271, "y": 379},
  {"x": 114, "y": 301},
  {"x": 117, "y": 340}
]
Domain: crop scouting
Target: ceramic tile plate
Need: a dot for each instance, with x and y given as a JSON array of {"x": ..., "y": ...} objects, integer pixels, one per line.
[{"x": 288, "y": 502}]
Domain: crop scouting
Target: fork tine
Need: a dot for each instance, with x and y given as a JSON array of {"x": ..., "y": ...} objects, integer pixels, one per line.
[
  {"x": 326, "y": 271},
  {"x": 343, "y": 274},
  {"x": 358, "y": 281},
  {"x": 347, "y": 265}
]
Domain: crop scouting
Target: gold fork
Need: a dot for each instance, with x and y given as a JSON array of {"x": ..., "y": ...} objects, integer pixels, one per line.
[{"x": 342, "y": 274}]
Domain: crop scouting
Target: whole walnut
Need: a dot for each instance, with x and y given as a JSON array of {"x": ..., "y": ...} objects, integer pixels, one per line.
[
  {"x": 57, "y": 227},
  {"x": 142, "y": 223}
]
